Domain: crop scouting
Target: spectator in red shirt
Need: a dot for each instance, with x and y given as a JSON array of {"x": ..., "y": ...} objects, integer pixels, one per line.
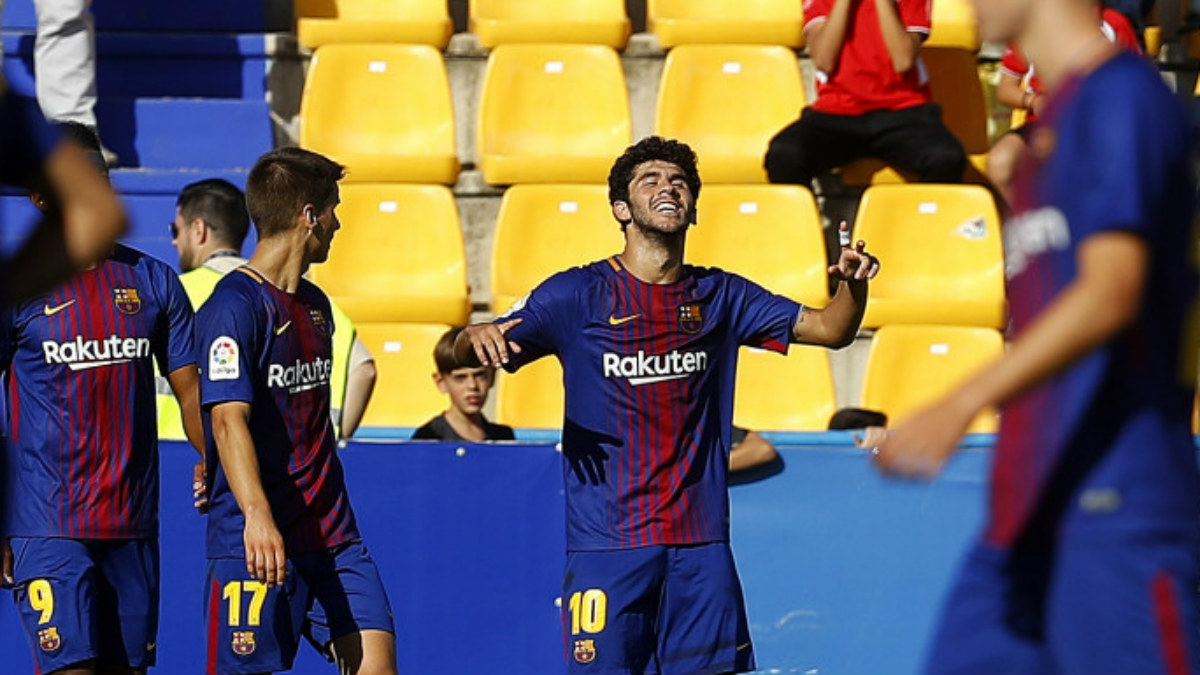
[
  {"x": 872, "y": 96},
  {"x": 1020, "y": 89}
]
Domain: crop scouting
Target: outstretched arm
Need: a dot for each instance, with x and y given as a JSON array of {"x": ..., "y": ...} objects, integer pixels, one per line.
[
  {"x": 836, "y": 325},
  {"x": 902, "y": 46},
  {"x": 1102, "y": 301},
  {"x": 825, "y": 38},
  {"x": 485, "y": 344},
  {"x": 265, "y": 554}
]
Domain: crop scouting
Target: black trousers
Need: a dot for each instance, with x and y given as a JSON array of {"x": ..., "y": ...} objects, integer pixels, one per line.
[{"x": 913, "y": 140}]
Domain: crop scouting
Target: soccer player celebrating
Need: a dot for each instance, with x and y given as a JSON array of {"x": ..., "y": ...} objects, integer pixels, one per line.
[
  {"x": 285, "y": 556},
  {"x": 649, "y": 350},
  {"x": 1088, "y": 562},
  {"x": 81, "y": 495}
]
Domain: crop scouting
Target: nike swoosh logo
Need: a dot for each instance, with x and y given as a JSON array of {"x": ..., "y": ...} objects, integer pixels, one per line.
[
  {"x": 279, "y": 331},
  {"x": 614, "y": 321},
  {"x": 51, "y": 311},
  {"x": 150, "y": 646},
  {"x": 745, "y": 646}
]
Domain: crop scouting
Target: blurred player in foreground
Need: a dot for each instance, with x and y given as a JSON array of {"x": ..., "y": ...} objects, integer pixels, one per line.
[
  {"x": 81, "y": 502},
  {"x": 649, "y": 352},
  {"x": 1088, "y": 562},
  {"x": 285, "y": 555}
]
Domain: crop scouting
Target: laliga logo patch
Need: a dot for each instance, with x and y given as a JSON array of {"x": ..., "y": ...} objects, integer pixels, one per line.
[
  {"x": 127, "y": 300},
  {"x": 49, "y": 640},
  {"x": 320, "y": 323},
  {"x": 585, "y": 651},
  {"x": 690, "y": 318},
  {"x": 243, "y": 642},
  {"x": 223, "y": 359}
]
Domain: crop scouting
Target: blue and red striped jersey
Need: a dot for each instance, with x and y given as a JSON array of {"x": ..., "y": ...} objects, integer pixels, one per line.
[
  {"x": 649, "y": 371},
  {"x": 273, "y": 350},
  {"x": 1105, "y": 442},
  {"x": 83, "y": 447}
]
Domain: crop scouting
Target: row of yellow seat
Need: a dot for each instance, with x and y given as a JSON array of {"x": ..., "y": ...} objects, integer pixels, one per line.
[
  {"x": 908, "y": 367},
  {"x": 560, "y": 113},
  {"x": 400, "y": 256},
  {"x": 605, "y": 22}
]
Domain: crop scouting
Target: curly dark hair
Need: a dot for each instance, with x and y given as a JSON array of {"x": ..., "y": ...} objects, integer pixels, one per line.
[{"x": 647, "y": 150}]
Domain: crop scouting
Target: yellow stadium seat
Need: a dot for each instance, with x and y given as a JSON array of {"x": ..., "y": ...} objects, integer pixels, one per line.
[
  {"x": 955, "y": 85},
  {"x": 320, "y": 22},
  {"x": 404, "y": 395},
  {"x": 600, "y": 22},
  {"x": 764, "y": 22},
  {"x": 532, "y": 398},
  {"x": 910, "y": 367},
  {"x": 398, "y": 257},
  {"x": 544, "y": 229},
  {"x": 770, "y": 234},
  {"x": 382, "y": 110},
  {"x": 1196, "y": 416},
  {"x": 727, "y": 102},
  {"x": 941, "y": 256},
  {"x": 778, "y": 393},
  {"x": 954, "y": 25},
  {"x": 552, "y": 114}
]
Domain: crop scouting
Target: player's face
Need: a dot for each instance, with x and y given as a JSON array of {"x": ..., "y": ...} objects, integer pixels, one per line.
[
  {"x": 660, "y": 199},
  {"x": 1002, "y": 20},
  {"x": 467, "y": 388},
  {"x": 182, "y": 240},
  {"x": 322, "y": 233}
]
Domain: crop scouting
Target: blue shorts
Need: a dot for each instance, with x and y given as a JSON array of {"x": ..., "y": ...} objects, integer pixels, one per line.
[
  {"x": 673, "y": 610},
  {"x": 87, "y": 599},
  {"x": 1122, "y": 604},
  {"x": 326, "y": 595}
]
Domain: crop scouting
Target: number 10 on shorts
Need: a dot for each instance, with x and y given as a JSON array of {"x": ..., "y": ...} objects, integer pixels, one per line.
[
  {"x": 233, "y": 595},
  {"x": 589, "y": 611}
]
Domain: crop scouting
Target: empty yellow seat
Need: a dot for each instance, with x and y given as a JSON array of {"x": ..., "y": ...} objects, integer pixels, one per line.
[
  {"x": 941, "y": 255},
  {"x": 398, "y": 257},
  {"x": 954, "y": 25},
  {"x": 320, "y": 22},
  {"x": 910, "y": 367},
  {"x": 552, "y": 114},
  {"x": 784, "y": 393},
  {"x": 770, "y": 234},
  {"x": 955, "y": 85},
  {"x": 727, "y": 102},
  {"x": 532, "y": 398},
  {"x": 404, "y": 395},
  {"x": 764, "y": 22},
  {"x": 382, "y": 110},
  {"x": 544, "y": 229},
  {"x": 601, "y": 22}
]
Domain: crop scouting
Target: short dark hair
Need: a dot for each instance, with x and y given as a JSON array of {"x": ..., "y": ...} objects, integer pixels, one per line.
[
  {"x": 219, "y": 203},
  {"x": 856, "y": 418},
  {"x": 647, "y": 150},
  {"x": 443, "y": 352},
  {"x": 283, "y": 181}
]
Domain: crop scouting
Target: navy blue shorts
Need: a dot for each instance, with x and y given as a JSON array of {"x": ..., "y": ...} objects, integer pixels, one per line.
[
  {"x": 87, "y": 599},
  {"x": 1120, "y": 604},
  {"x": 326, "y": 595},
  {"x": 673, "y": 610}
]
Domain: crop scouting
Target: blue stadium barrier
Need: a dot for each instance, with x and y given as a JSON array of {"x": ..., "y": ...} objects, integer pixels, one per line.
[
  {"x": 176, "y": 15},
  {"x": 843, "y": 571}
]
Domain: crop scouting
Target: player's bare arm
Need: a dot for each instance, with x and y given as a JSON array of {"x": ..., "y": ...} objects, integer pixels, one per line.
[
  {"x": 826, "y": 37},
  {"x": 837, "y": 324},
  {"x": 902, "y": 46},
  {"x": 1102, "y": 301},
  {"x": 80, "y": 229},
  {"x": 185, "y": 383},
  {"x": 485, "y": 344},
  {"x": 265, "y": 554}
]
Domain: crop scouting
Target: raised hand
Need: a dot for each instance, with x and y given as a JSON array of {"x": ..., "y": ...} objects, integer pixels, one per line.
[
  {"x": 854, "y": 263},
  {"x": 920, "y": 447},
  {"x": 199, "y": 488},
  {"x": 489, "y": 341}
]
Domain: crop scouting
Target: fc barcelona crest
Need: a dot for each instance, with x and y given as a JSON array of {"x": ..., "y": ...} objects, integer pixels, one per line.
[
  {"x": 320, "y": 322},
  {"x": 585, "y": 651},
  {"x": 127, "y": 300},
  {"x": 691, "y": 320},
  {"x": 49, "y": 640},
  {"x": 243, "y": 642}
]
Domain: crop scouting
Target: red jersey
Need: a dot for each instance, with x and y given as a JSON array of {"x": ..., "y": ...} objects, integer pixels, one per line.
[
  {"x": 864, "y": 79},
  {"x": 1113, "y": 25}
]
